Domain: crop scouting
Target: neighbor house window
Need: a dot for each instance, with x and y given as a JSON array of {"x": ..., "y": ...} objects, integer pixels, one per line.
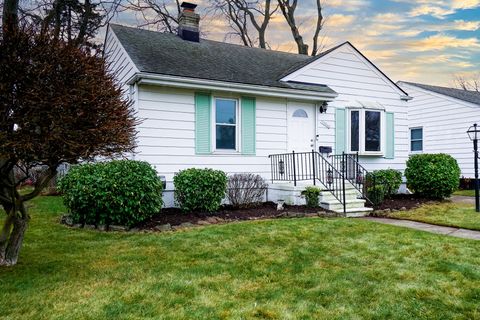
[
  {"x": 416, "y": 139},
  {"x": 226, "y": 124},
  {"x": 365, "y": 127}
]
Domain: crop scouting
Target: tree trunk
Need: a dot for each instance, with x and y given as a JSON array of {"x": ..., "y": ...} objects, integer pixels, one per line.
[
  {"x": 10, "y": 249},
  {"x": 13, "y": 231},
  {"x": 10, "y": 16}
]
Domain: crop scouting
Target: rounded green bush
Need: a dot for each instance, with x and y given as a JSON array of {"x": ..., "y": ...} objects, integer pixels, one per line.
[
  {"x": 200, "y": 189},
  {"x": 311, "y": 195},
  {"x": 388, "y": 179},
  {"x": 376, "y": 194},
  {"x": 432, "y": 175},
  {"x": 120, "y": 192}
]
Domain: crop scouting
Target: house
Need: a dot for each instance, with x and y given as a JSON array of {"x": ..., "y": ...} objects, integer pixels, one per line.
[
  {"x": 439, "y": 118},
  {"x": 239, "y": 109}
]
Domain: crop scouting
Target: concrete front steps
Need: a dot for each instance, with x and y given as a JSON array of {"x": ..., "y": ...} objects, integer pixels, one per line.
[
  {"x": 355, "y": 207},
  {"x": 291, "y": 195}
]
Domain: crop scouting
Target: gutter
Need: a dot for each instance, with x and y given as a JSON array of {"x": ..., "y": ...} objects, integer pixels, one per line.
[{"x": 213, "y": 85}]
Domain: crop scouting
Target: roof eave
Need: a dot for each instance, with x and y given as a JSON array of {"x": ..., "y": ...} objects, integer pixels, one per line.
[
  {"x": 214, "y": 85},
  {"x": 438, "y": 94}
]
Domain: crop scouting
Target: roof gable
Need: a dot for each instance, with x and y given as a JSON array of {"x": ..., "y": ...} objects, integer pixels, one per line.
[
  {"x": 323, "y": 58},
  {"x": 464, "y": 95},
  {"x": 168, "y": 54}
]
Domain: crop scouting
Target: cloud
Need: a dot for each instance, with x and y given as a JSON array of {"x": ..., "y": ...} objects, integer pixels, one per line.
[
  {"x": 346, "y": 5},
  {"x": 440, "y": 8},
  {"x": 465, "y": 4},
  {"x": 441, "y": 42},
  {"x": 339, "y": 20},
  {"x": 464, "y": 25},
  {"x": 435, "y": 11}
]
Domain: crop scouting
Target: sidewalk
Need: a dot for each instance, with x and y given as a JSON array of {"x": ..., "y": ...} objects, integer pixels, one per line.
[
  {"x": 448, "y": 231},
  {"x": 463, "y": 199}
]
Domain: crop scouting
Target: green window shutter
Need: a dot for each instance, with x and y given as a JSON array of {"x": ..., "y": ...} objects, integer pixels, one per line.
[
  {"x": 202, "y": 123},
  {"x": 390, "y": 136},
  {"x": 340, "y": 130},
  {"x": 248, "y": 113}
]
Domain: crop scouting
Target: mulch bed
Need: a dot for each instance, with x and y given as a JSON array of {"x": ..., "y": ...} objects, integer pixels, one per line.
[
  {"x": 268, "y": 210},
  {"x": 174, "y": 219},
  {"x": 403, "y": 202}
]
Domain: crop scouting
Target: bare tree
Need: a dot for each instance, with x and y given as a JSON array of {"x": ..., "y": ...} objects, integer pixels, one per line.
[
  {"x": 73, "y": 21},
  {"x": 249, "y": 20},
  {"x": 237, "y": 21},
  {"x": 467, "y": 84},
  {"x": 288, "y": 8},
  {"x": 245, "y": 16},
  {"x": 165, "y": 13}
]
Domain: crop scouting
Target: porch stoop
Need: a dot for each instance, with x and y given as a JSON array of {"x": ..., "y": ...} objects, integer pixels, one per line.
[
  {"x": 355, "y": 207},
  {"x": 342, "y": 177}
]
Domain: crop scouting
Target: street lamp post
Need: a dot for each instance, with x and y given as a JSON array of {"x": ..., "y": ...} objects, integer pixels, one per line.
[{"x": 474, "y": 133}]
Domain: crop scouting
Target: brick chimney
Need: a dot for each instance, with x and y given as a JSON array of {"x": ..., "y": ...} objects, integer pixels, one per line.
[{"x": 188, "y": 23}]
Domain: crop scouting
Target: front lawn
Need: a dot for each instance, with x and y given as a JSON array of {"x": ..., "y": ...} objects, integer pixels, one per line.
[
  {"x": 309, "y": 268},
  {"x": 446, "y": 214},
  {"x": 466, "y": 193}
]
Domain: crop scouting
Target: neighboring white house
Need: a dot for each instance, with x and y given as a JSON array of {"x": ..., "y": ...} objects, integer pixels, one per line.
[
  {"x": 439, "y": 118},
  {"x": 224, "y": 106}
]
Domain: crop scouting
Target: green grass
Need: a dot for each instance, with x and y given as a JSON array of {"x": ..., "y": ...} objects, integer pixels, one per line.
[
  {"x": 445, "y": 214},
  {"x": 308, "y": 268},
  {"x": 467, "y": 193}
]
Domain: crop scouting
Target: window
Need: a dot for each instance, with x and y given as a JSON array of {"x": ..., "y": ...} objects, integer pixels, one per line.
[
  {"x": 300, "y": 113},
  {"x": 226, "y": 124},
  {"x": 416, "y": 139},
  {"x": 365, "y": 128},
  {"x": 355, "y": 131},
  {"x": 372, "y": 131}
]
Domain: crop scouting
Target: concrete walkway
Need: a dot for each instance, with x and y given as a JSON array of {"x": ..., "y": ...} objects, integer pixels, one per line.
[
  {"x": 462, "y": 199},
  {"x": 448, "y": 231}
]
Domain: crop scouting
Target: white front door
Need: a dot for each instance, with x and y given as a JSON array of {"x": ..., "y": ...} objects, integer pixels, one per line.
[{"x": 301, "y": 127}]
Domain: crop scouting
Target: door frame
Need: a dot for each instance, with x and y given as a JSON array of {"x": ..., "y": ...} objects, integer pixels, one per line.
[{"x": 302, "y": 104}]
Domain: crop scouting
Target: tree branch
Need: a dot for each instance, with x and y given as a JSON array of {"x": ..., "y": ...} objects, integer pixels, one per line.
[{"x": 50, "y": 173}]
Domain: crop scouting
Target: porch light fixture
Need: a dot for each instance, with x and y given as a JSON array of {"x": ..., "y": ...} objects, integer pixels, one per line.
[
  {"x": 281, "y": 167},
  {"x": 474, "y": 133},
  {"x": 359, "y": 178},
  {"x": 323, "y": 107},
  {"x": 329, "y": 177}
]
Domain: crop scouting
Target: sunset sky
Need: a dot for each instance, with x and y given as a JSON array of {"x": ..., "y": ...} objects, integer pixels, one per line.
[{"x": 426, "y": 41}]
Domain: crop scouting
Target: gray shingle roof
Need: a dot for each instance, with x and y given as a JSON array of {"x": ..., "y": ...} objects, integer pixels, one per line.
[
  {"x": 468, "y": 96},
  {"x": 168, "y": 54}
]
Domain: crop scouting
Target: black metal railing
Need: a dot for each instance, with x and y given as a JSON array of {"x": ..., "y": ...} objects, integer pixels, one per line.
[
  {"x": 308, "y": 166},
  {"x": 348, "y": 164}
]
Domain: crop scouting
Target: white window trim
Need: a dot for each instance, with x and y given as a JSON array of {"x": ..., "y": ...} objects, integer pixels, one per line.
[
  {"x": 410, "y": 140},
  {"x": 361, "y": 145},
  {"x": 237, "y": 126}
]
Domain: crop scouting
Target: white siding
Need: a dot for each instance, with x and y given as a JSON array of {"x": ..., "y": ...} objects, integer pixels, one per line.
[
  {"x": 444, "y": 121},
  {"x": 355, "y": 79},
  {"x": 166, "y": 136},
  {"x": 119, "y": 62}
]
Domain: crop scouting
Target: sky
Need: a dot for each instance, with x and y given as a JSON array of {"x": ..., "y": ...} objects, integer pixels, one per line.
[{"x": 426, "y": 41}]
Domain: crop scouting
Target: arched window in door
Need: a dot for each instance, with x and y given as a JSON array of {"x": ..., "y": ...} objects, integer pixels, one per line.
[{"x": 300, "y": 113}]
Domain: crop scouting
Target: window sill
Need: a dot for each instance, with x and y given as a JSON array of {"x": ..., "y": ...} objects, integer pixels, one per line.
[
  {"x": 371, "y": 154},
  {"x": 226, "y": 152}
]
